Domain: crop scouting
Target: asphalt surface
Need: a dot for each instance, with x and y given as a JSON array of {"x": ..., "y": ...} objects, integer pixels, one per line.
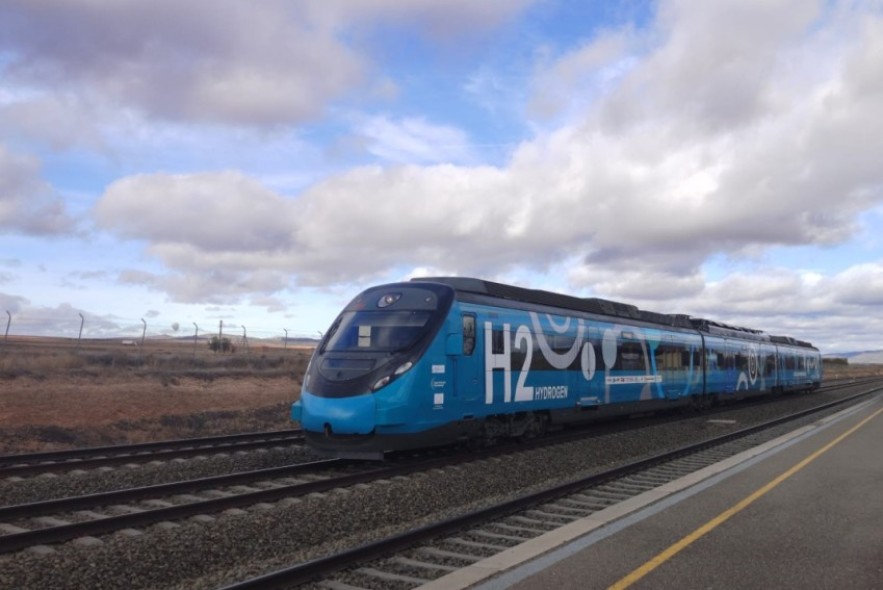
[{"x": 803, "y": 512}]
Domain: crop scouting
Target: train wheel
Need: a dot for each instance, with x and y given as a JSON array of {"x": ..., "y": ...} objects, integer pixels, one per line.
[
  {"x": 700, "y": 403},
  {"x": 536, "y": 427}
]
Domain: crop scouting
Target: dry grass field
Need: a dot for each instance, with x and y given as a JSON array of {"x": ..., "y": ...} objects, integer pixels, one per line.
[{"x": 55, "y": 395}]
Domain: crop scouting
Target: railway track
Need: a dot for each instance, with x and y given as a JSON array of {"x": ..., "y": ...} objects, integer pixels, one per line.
[
  {"x": 82, "y": 517},
  {"x": 421, "y": 556},
  {"x": 79, "y": 517},
  {"x": 95, "y": 457}
]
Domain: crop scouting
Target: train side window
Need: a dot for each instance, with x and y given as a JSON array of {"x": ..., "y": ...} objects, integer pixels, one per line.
[
  {"x": 741, "y": 358},
  {"x": 630, "y": 357},
  {"x": 497, "y": 342},
  {"x": 468, "y": 334}
]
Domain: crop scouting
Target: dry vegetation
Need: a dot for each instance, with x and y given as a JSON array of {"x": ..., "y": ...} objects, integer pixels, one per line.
[{"x": 56, "y": 395}]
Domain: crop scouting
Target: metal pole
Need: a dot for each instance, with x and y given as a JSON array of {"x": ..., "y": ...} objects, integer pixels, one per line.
[
  {"x": 80, "y": 335},
  {"x": 195, "y": 337},
  {"x": 8, "y": 323},
  {"x": 286, "y": 337},
  {"x": 143, "y": 332},
  {"x": 245, "y": 338}
]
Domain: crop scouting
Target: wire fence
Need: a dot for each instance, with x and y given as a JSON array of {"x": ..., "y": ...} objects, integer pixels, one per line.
[{"x": 77, "y": 329}]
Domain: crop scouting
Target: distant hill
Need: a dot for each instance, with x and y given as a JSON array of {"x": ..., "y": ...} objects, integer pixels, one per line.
[{"x": 865, "y": 357}]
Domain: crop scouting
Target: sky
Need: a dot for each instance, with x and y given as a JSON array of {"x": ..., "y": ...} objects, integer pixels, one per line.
[{"x": 167, "y": 167}]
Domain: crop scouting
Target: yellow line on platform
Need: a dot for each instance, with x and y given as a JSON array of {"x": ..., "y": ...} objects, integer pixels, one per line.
[{"x": 673, "y": 550}]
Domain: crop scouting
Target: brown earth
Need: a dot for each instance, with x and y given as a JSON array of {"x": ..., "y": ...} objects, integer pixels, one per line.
[{"x": 51, "y": 399}]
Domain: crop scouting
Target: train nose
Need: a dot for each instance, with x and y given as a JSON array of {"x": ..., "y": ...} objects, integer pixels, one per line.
[{"x": 339, "y": 416}]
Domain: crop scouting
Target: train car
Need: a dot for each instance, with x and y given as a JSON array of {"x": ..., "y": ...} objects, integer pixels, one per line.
[{"x": 444, "y": 360}]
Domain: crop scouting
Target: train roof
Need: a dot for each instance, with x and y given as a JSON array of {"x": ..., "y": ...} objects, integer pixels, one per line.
[
  {"x": 605, "y": 307},
  {"x": 588, "y": 304}
]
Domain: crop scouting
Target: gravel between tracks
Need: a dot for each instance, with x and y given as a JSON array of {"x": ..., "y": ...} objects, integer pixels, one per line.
[{"x": 241, "y": 544}]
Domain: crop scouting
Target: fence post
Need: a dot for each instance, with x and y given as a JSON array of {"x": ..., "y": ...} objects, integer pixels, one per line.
[
  {"x": 245, "y": 339},
  {"x": 195, "y": 337},
  {"x": 80, "y": 335},
  {"x": 8, "y": 323},
  {"x": 286, "y": 338},
  {"x": 143, "y": 334}
]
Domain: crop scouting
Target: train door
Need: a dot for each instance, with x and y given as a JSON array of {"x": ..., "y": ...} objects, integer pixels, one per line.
[
  {"x": 467, "y": 359},
  {"x": 668, "y": 365},
  {"x": 592, "y": 370},
  {"x": 731, "y": 375}
]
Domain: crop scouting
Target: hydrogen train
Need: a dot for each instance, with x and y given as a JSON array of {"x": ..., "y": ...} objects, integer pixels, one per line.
[{"x": 437, "y": 361}]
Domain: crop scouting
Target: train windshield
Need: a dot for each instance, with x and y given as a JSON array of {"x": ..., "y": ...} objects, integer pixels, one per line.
[{"x": 378, "y": 331}]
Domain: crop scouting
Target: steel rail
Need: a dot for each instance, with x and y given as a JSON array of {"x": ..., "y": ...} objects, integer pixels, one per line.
[
  {"x": 162, "y": 452},
  {"x": 68, "y": 454},
  {"x": 97, "y": 500},
  {"x": 57, "y": 534}
]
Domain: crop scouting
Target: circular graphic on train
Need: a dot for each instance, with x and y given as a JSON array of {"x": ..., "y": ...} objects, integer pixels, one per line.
[
  {"x": 608, "y": 348},
  {"x": 559, "y": 360},
  {"x": 752, "y": 364},
  {"x": 588, "y": 361}
]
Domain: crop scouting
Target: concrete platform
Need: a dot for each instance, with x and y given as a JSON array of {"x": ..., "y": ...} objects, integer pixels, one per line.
[{"x": 804, "y": 511}]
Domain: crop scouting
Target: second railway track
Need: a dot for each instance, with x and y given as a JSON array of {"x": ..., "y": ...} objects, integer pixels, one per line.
[{"x": 91, "y": 458}]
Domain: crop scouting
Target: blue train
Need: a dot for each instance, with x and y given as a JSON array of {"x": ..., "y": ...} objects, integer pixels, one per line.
[{"x": 442, "y": 360}]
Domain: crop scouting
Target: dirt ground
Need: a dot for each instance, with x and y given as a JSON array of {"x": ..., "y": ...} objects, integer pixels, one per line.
[
  {"x": 51, "y": 414},
  {"x": 49, "y": 400}
]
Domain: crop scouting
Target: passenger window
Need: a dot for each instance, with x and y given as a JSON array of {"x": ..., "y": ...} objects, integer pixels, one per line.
[
  {"x": 468, "y": 334},
  {"x": 498, "y": 345}
]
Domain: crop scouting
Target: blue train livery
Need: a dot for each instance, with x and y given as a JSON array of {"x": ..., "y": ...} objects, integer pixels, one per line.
[{"x": 444, "y": 360}]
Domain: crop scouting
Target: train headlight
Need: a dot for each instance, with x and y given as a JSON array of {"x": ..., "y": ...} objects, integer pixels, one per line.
[
  {"x": 403, "y": 368},
  {"x": 381, "y": 383},
  {"x": 388, "y": 299}
]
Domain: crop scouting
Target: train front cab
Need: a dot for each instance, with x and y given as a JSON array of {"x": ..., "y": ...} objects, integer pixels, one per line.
[{"x": 386, "y": 348}]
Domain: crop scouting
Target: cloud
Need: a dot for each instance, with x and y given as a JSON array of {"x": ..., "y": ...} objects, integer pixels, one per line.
[
  {"x": 29, "y": 205},
  {"x": 63, "y": 320},
  {"x": 837, "y": 312},
  {"x": 59, "y": 121},
  {"x": 215, "y": 61},
  {"x": 222, "y": 234},
  {"x": 442, "y": 20},
  {"x": 223, "y": 211},
  {"x": 860, "y": 286},
  {"x": 414, "y": 140},
  {"x": 12, "y": 303}
]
